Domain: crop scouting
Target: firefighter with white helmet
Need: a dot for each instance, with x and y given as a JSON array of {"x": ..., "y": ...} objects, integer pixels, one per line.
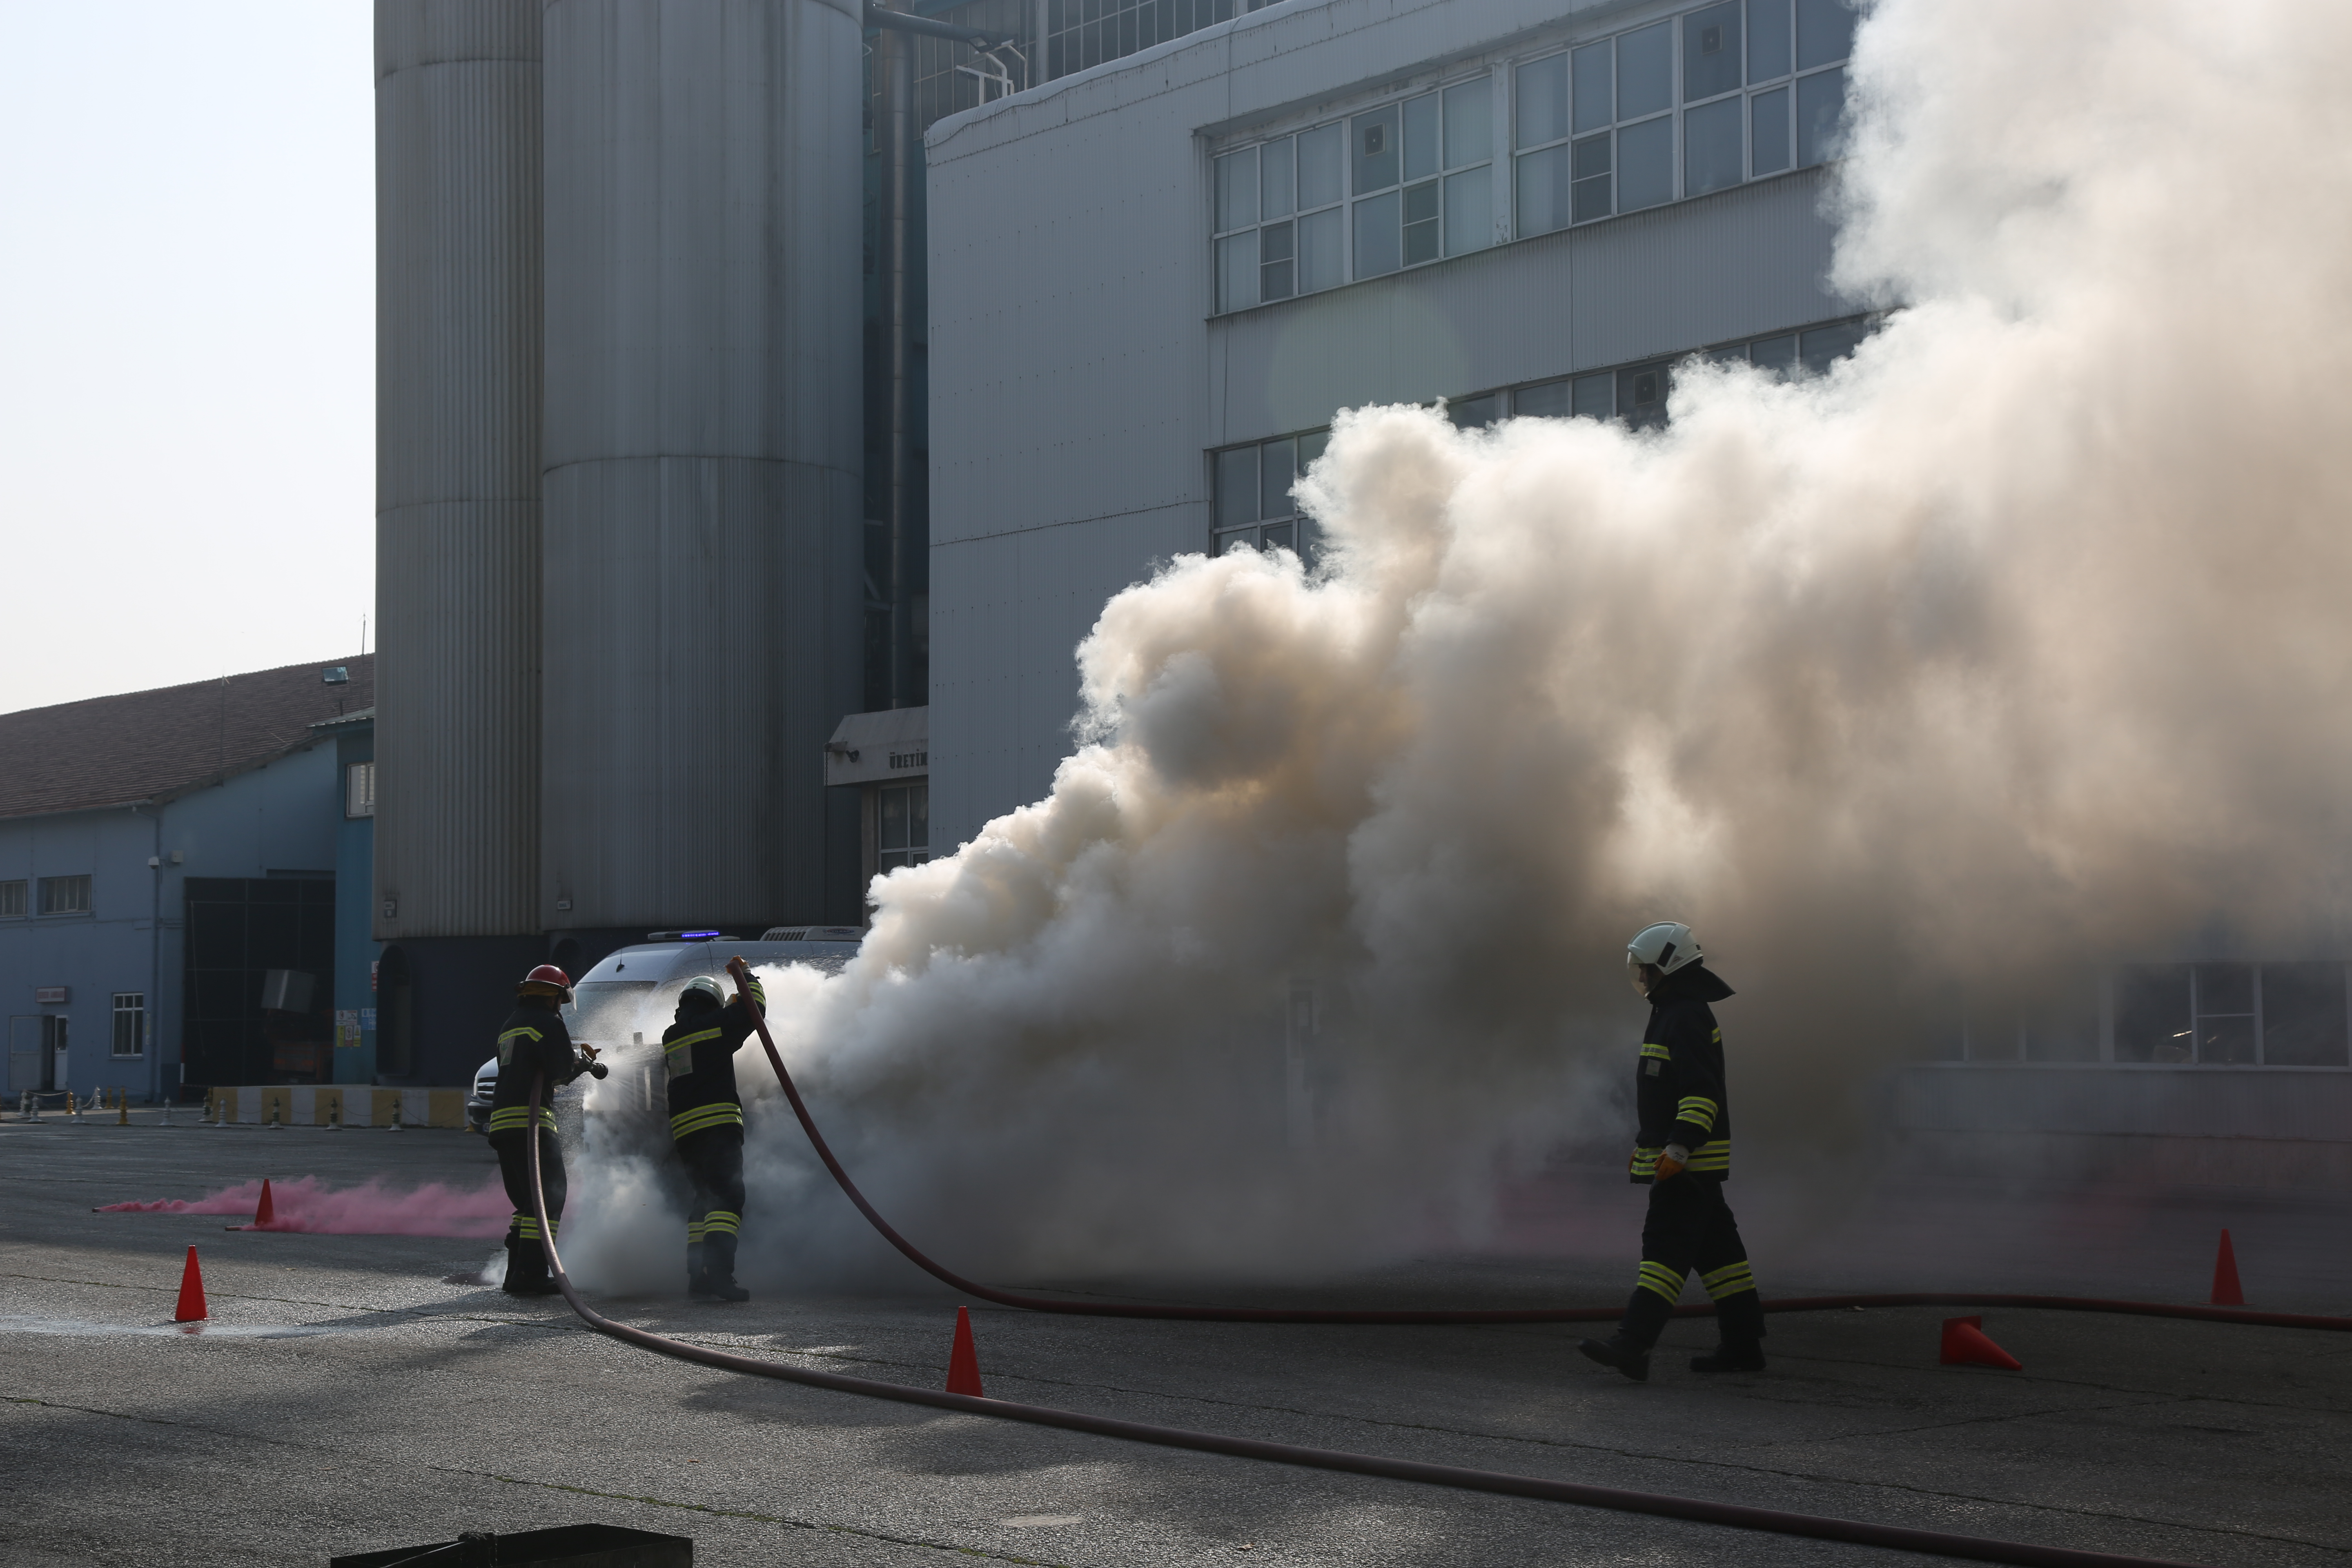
[
  {"x": 705, "y": 1122},
  {"x": 534, "y": 1046},
  {"x": 1683, "y": 1153}
]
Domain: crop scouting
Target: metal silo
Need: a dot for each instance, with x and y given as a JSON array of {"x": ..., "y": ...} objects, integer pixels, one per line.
[
  {"x": 702, "y": 451},
  {"x": 457, "y": 467}
]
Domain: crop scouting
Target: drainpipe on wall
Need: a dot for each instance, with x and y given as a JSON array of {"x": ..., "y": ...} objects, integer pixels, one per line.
[
  {"x": 895, "y": 74},
  {"x": 154, "y": 1041}
]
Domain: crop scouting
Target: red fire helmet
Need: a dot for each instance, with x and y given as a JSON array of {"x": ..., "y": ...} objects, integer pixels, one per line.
[{"x": 546, "y": 980}]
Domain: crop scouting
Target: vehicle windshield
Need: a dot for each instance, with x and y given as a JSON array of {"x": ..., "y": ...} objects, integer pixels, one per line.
[{"x": 602, "y": 1007}]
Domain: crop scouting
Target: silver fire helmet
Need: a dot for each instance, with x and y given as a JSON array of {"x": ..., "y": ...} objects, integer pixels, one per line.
[{"x": 1668, "y": 944}]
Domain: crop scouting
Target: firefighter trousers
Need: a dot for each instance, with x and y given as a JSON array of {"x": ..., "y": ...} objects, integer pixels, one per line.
[
  {"x": 1690, "y": 1227},
  {"x": 714, "y": 1161},
  {"x": 526, "y": 1263}
]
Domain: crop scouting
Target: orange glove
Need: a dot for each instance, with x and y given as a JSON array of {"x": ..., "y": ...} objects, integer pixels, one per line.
[{"x": 1671, "y": 1160}]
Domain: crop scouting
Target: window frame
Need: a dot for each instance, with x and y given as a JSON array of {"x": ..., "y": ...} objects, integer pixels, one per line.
[
  {"x": 1681, "y": 105},
  {"x": 1294, "y": 530},
  {"x": 359, "y": 803},
  {"x": 1226, "y": 534},
  {"x": 887, "y": 857},
  {"x": 131, "y": 1005},
  {"x": 47, "y": 901},
  {"x": 1444, "y": 179},
  {"x": 22, "y": 898}
]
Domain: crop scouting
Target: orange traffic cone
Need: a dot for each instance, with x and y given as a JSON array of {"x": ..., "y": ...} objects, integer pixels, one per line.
[
  {"x": 1965, "y": 1345},
  {"x": 2227, "y": 1292},
  {"x": 192, "y": 1293},
  {"x": 267, "y": 1213},
  {"x": 963, "y": 1360}
]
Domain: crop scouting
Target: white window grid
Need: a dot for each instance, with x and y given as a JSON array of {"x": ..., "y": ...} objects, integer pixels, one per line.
[
  {"x": 1690, "y": 103},
  {"x": 64, "y": 895},
  {"x": 902, "y": 826},
  {"x": 359, "y": 790},
  {"x": 1397, "y": 184},
  {"x": 1251, "y": 505},
  {"x": 129, "y": 1023},
  {"x": 11, "y": 899},
  {"x": 1695, "y": 102}
]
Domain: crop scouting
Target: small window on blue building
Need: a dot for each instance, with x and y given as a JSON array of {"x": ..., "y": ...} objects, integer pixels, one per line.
[
  {"x": 12, "y": 901},
  {"x": 64, "y": 895},
  {"x": 130, "y": 1023},
  {"x": 359, "y": 790}
]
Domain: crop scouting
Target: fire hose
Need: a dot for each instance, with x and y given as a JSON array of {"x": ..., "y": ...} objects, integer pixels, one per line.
[
  {"x": 1693, "y": 1509},
  {"x": 1696, "y": 1511}
]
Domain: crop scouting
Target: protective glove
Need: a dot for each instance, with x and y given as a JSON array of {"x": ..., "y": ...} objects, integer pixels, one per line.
[{"x": 1671, "y": 1160}]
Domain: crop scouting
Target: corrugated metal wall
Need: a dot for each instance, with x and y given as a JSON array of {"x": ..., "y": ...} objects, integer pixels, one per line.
[
  {"x": 702, "y": 454},
  {"x": 457, "y": 437}
]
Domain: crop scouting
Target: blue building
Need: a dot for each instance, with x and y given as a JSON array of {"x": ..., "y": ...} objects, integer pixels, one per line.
[{"x": 171, "y": 863}]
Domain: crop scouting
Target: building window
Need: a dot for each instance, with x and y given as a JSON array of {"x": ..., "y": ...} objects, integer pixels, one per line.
[
  {"x": 12, "y": 901},
  {"x": 1637, "y": 393},
  {"x": 1395, "y": 186},
  {"x": 903, "y": 831},
  {"x": 64, "y": 895},
  {"x": 1084, "y": 33},
  {"x": 129, "y": 1023},
  {"x": 359, "y": 790},
  {"x": 1761, "y": 87},
  {"x": 1254, "y": 507},
  {"x": 2231, "y": 1015}
]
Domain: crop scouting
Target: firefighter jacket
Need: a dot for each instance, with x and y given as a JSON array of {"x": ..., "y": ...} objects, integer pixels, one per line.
[
  {"x": 1678, "y": 1089},
  {"x": 532, "y": 1041},
  {"x": 698, "y": 1059}
]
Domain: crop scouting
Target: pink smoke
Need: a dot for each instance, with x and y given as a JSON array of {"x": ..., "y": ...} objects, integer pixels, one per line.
[{"x": 370, "y": 1209}]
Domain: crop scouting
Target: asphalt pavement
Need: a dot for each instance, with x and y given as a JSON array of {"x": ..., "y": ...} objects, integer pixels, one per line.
[{"x": 347, "y": 1394}]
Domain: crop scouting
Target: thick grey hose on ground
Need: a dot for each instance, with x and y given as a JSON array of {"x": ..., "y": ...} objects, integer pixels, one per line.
[{"x": 1697, "y": 1510}]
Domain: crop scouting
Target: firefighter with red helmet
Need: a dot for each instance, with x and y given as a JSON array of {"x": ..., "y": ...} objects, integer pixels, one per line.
[{"x": 534, "y": 1048}]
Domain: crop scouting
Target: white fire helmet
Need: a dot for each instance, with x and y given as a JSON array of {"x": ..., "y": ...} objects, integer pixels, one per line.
[{"x": 1668, "y": 944}]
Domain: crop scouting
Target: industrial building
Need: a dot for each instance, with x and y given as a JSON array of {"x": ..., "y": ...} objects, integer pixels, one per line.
[
  {"x": 1153, "y": 282},
  {"x": 184, "y": 874},
  {"x": 678, "y": 631}
]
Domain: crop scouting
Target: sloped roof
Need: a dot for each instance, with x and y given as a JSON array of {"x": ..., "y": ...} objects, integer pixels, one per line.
[{"x": 150, "y": 745}]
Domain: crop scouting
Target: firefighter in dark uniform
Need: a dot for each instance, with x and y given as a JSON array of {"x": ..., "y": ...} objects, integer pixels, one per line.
[
  {"x": 1683, "y": 1153},
  {"x": 533, "y": 1046},
  {"x": 706, "y": 1119}
]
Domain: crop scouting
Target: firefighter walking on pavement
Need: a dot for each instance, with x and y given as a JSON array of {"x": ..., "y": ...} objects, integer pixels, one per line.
[
  {"x": 1683, "y": 1153},
  {"x": 705, "y": 1120},
  {"x": 534, "y": 1048}
]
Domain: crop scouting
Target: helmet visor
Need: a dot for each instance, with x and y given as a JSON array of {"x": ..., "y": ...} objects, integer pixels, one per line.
[{"x": 1633, "y": 972}]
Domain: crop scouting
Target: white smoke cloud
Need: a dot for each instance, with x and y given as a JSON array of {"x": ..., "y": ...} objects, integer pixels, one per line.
[{"x": 2013, "y": 645}]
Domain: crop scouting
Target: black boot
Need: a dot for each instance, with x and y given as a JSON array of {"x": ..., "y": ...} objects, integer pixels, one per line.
[
  {"x": 1739, "y": 1333},
  {"x": 1731, "y": 1355},
  {"x": 527, "y": 1270},
  {"x": 718, "y": 1275},
  {"x": 1617, "y": 1352},
  {"x": 697, "y": 1272}
]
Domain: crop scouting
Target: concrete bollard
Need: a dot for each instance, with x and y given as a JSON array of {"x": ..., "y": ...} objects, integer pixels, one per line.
[
  {"x": 166, "y": 1119},
  {"x": 122, "y": 1108},
  {"x": 335, "y": 1117},
  {"x": 73, "y": 1106}
]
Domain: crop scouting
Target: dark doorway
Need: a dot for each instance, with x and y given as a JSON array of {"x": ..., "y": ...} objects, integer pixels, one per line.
[
  {"x": 260, "y": 995},
  {"x": 395, "y": 1016}
]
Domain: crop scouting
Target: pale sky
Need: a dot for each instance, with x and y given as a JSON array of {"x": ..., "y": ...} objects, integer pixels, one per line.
[{"x": 187, "y": 355}]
